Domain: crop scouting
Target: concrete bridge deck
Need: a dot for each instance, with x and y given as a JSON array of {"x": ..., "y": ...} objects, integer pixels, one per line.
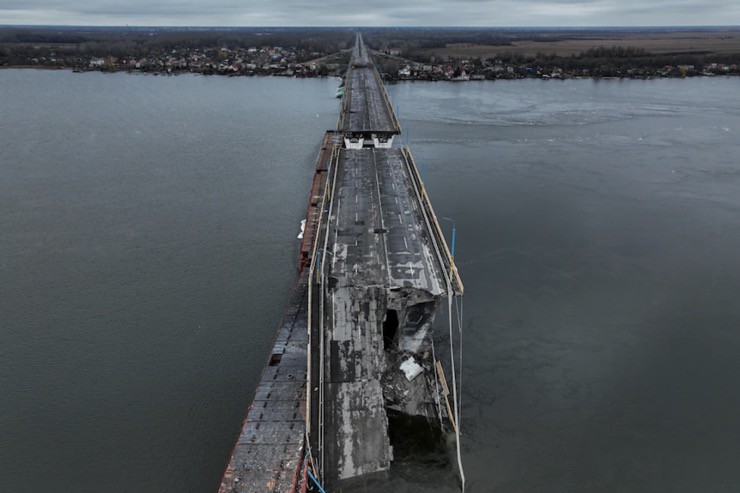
[
  {"x": 382, "y": 281},
  {"x": 380, "y": 271},
  {"x": 377, "y": 232},
  {"x": 366, "y": 109}
]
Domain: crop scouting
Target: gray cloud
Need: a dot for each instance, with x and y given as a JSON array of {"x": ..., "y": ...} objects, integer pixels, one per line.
[{"x": 376, "y": 13}]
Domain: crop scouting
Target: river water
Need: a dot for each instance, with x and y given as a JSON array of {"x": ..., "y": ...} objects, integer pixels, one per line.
[{"x": 148, "y": 246}]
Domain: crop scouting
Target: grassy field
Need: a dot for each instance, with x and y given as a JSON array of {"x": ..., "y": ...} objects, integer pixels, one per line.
[{"x": 719, "y": 42}]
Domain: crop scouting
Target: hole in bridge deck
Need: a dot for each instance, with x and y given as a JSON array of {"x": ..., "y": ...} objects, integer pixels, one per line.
[
  {"x": 390, "y": 328},
  {"x": 275, "y": 359},
  {"x": 417, "y": 440}
]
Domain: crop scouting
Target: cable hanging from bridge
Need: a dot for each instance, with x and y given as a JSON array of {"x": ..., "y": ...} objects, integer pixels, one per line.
[
  {"x": 456, "y": 402},
  {"x": 459, "y": 307}
]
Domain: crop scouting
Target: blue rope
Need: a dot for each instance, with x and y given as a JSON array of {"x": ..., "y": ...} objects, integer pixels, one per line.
[{"x": 322, "y": 490}]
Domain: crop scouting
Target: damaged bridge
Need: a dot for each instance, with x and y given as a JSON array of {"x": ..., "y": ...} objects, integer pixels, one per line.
[
  {"x": 356, "y": 340},
  {"x": 380, "y": 269}
]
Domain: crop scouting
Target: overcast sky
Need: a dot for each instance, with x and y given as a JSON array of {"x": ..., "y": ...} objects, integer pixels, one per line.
[{"x": 372, "y": 13}]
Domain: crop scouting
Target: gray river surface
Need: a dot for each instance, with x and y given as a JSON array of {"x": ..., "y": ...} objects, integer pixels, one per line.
[{"x": 148, "y": 247}]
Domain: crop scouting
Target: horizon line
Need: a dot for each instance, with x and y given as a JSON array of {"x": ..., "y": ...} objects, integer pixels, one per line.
[{"x": 164, "y": 26}]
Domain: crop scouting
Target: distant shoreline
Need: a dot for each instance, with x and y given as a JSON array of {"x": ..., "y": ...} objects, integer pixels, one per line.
[
  {"x": 429, "y": 54},
  {"x": 389, "y": 81}
]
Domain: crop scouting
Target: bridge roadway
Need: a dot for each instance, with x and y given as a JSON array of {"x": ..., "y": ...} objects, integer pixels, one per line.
[
  {"x": 366, "y": 109},
  {"x": 381, "y": 267},
  {"x": 377, "y": 234},
  {"x": 380, "y": 258},
  {"x": 360, "y": 57}
]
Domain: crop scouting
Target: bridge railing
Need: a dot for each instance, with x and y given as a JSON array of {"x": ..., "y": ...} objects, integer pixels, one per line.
[
  {"x": 343, "y": 105},
  {"x": 447, "y": 258},
  {"x": 387, "y": 100},
  {"x": 316, "y": 302}
]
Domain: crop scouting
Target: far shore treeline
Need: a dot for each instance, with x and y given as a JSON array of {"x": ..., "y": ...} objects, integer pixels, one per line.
[{"x": 401, "y": 53}]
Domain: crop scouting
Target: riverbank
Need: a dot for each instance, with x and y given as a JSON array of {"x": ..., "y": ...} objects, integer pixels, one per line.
[
  {"x": 266, "y": 73},
  {"x": 610, "y": 66},
  {"x": 392, "y": 78}
]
